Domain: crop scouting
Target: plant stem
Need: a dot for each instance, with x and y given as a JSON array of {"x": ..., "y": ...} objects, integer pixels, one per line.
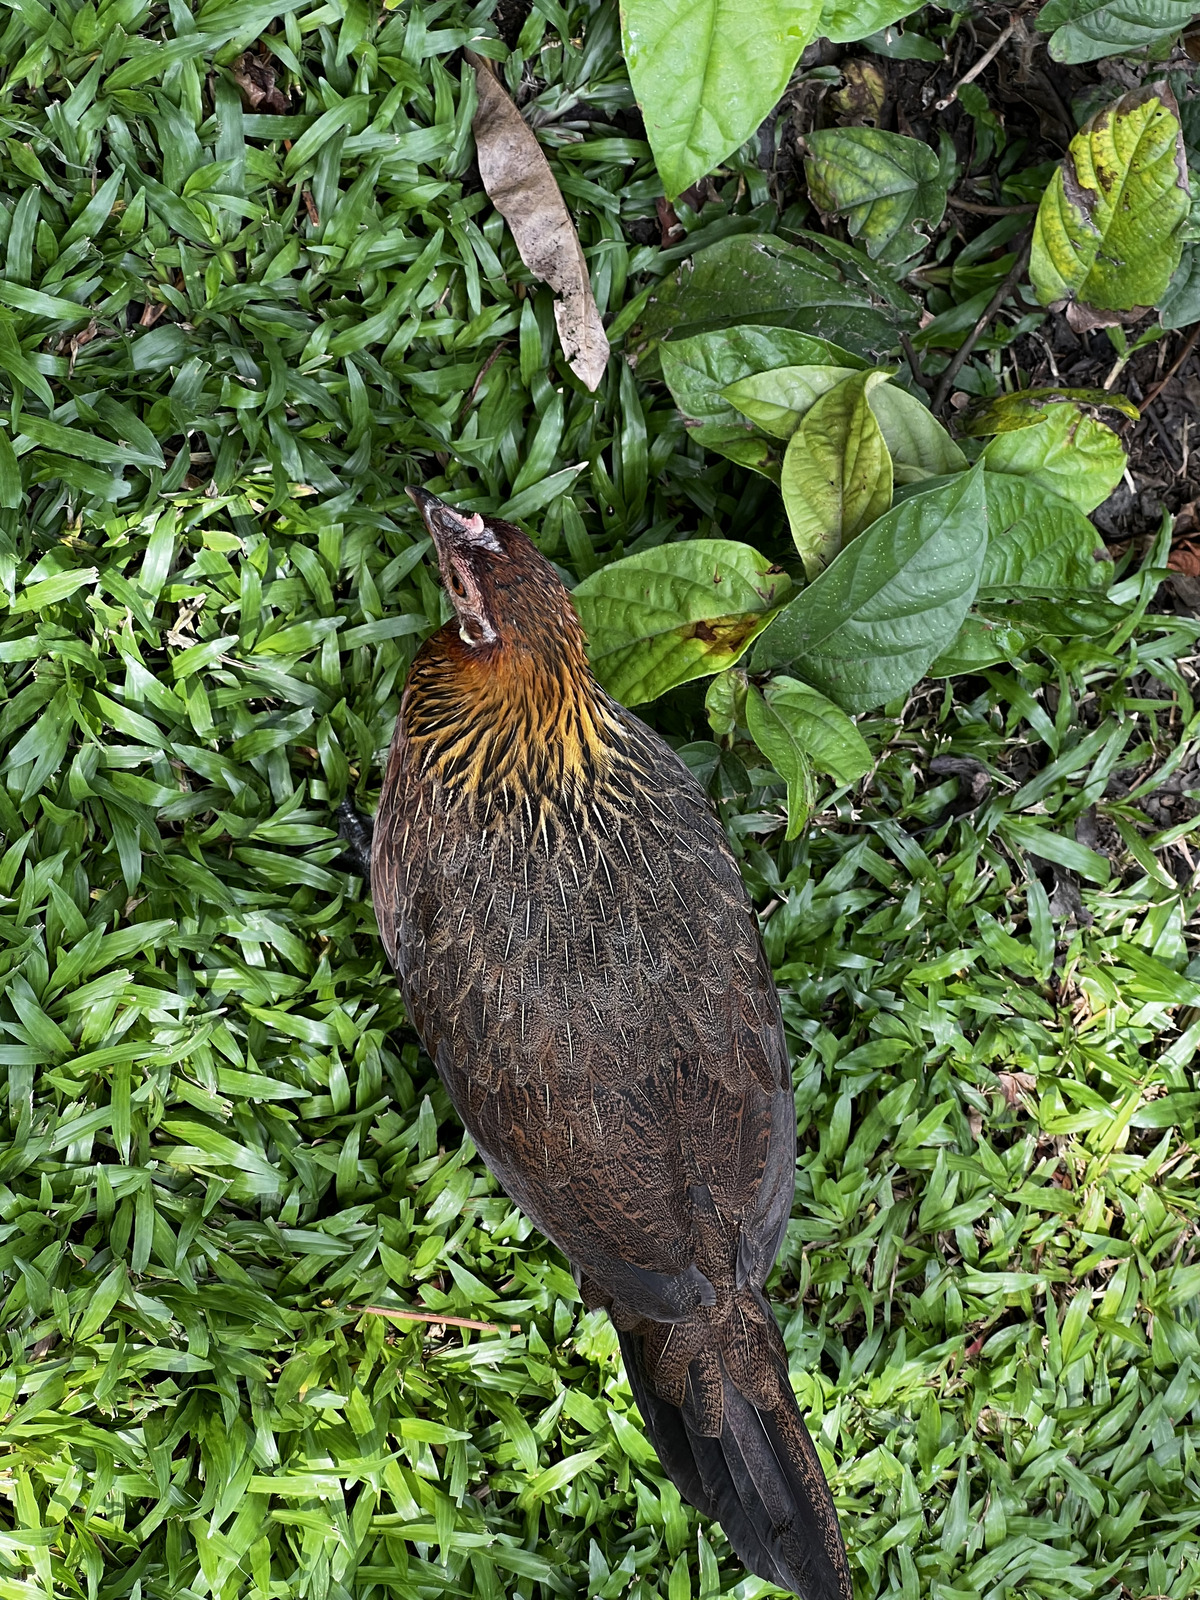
[{"x": 993, "y": 305}]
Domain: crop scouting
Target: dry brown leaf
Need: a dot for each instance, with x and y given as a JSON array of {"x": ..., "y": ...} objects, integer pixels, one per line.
[
  {"x": 255, "y": 77},
  {"x": 1016, "y": 1085},
  {"x": 521, "y": 186},
  {"x": 1185, "y": 558}
]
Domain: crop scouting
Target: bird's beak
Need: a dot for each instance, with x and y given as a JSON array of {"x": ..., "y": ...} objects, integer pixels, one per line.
[{"x": 448, "y": 527}]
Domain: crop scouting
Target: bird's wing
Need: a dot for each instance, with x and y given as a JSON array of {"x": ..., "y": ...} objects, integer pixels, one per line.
[{"x": 596, "y": 997}]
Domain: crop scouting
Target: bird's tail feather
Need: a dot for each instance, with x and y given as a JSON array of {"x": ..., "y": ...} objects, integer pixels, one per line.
[{"x": 759, "y": 1478}]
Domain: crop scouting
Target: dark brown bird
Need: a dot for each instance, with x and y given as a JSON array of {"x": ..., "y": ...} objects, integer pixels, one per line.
[{"x": 577, "y": 951}]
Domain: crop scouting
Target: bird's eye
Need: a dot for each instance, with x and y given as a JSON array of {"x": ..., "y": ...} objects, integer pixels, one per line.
[{"x": 457, "y": 586}]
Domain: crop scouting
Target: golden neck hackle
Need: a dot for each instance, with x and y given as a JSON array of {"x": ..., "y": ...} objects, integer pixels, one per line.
[{"x": 498, "y": 725}]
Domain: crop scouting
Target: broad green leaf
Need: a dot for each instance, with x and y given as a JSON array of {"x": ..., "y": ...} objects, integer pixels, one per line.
[
  {"x": 881, "y": 183},
  {"x": 725, "y": 703},
  {"x": 1085, "y": 30},
  {"x": 1108, "y": 230},
  {"x": 837, "y": 474},
  {"x": 777, "y": 400},
  {"x": 845, "y": 22},
  {"x": 1023, "y": 407},
  {"x": 979, "y": 643},
  {"x": 1070, "y": 454},
  {"x": 869, "y": 626},
  {"x": 698, "y": 370},
  {"x": 918, "y": 444},
  {"x": 754, "y": 278},
  {"x": 687, "y": 63},
  {"x": 775, "y": 735},
  {"x": 824, "y": 732},
  {"x": 1038, "y": 543},
  {"x": 674, "y": 613},
  {"x": 1180, "y": 306}
]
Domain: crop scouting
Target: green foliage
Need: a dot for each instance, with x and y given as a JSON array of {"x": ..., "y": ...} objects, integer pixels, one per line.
[
  {"x": 1086, "y": 30},
  {"x": 883, "y": 184},
  {"x": 1073, "y": 455},
  {"x": 868, "y": 627},
  {"x": 677, "y": 612},
  {"x": 687, "y": 63},
  {"x": 222, "y": 360}
]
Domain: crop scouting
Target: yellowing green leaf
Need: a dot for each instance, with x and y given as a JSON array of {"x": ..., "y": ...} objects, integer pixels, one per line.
[
  {"x": 1108, "y": 230},
  {"x": 674, "y": 613},
  {"x": 1067, "y": 452},
  {"x": 837, "y": 474}
]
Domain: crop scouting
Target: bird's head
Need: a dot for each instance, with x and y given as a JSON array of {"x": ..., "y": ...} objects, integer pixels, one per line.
[
  {"x": 507, "y": 597},
  {"x": 501, "y": 701}
]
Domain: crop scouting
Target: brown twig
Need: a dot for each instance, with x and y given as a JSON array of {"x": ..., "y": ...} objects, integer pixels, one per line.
[
  {"x": 988, "y": 211},
  {"x": 914, "y": 363},
  {"x": 431, "y": 1316},
  {"x": 985, "y": 60},
  {"x": 1179, "y": 362},
  {"x": 481, "y": 375},
  {"x": 972, "y": 339}
]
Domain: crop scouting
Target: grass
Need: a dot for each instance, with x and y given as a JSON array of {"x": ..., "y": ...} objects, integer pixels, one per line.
[{"x": 231, "y": 338}]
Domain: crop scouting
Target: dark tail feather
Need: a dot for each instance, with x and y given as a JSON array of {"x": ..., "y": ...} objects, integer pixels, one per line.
[{"x": 760, "y": 1479}]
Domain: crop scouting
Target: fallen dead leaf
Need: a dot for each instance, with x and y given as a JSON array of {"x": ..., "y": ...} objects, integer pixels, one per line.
[
  {"x": 1016, "y": 1085},
  {"x": 255, "y": 77},
  {"x": 1087, "y": 319},
  {"x": 521, "y": 186},
  {"x": 1185, "y": 558},
  {"x": 863, "y": 94}
]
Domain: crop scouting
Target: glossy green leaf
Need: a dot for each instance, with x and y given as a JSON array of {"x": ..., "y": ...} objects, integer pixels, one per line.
[
  {"x": 845, "y": 22},
  {"x": 1108, "y": 230},
  {"x": 753, "y": 278},
  {"x": 869, "y": 626},
  {"x": 1067, "y": 452},
  {"x": 674, "y": 613},
  {"x": 1038, "y": 543},
  {"x": 1086, "y": 30},
  {"x": 776, "y": 401},
  {"x": 1180, "y": 305},
  {"x": 837, "y": 473},
  {"x": 774, "y": 733},
  {"x": 687, "y": 63},
  {"x": 823, "y": 731},
  {"x": 882, "y": 184}
]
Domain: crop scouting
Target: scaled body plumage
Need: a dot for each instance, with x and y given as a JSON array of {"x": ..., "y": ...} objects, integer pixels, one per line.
[{"x": 578, "y": 953}]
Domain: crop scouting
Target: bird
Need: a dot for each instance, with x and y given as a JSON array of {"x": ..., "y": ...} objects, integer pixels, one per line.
[{"x": 578, "y": 953}]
